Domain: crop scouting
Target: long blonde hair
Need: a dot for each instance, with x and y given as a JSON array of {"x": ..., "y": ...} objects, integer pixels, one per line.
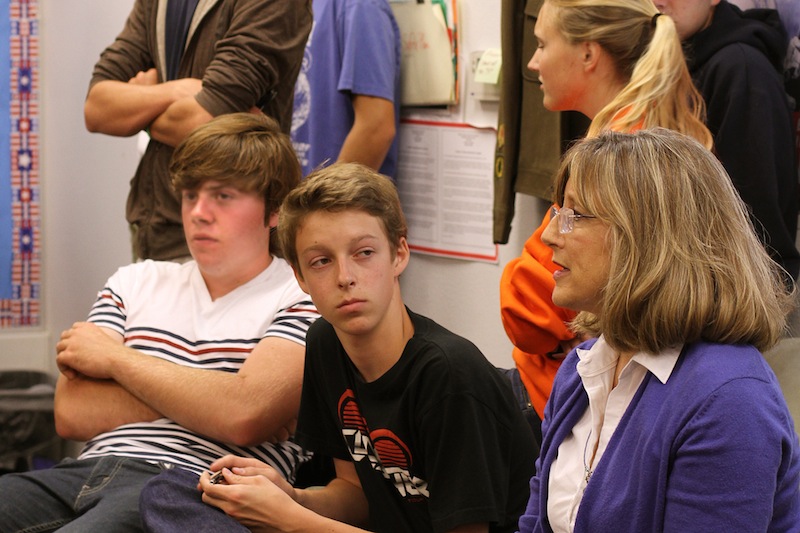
[
  {"x": 646, "y": 50},
  {"x": 686, "y": 264}
]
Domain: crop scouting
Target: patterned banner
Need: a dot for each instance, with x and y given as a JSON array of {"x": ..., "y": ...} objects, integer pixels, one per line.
[
  {"x": 5, "y": 153},
  {"x": 19, "y": 165}
]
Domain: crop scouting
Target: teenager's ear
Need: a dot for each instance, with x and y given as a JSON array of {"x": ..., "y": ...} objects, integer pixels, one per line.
[
  {"x": 401, "y": 257},
  {"x": 272, "y": 220}
]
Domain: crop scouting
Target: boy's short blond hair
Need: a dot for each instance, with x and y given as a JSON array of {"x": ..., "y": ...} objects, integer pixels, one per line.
[{"x": 341, "y": 187}]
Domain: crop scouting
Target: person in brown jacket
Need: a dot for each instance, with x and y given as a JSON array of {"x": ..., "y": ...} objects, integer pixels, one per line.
[{"x": 176, "y": 65}]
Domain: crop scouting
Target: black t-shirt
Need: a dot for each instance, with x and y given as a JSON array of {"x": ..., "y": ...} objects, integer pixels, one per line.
[
  {"x": 179, "y": 16},
  {"x": 438, "y": 441}
]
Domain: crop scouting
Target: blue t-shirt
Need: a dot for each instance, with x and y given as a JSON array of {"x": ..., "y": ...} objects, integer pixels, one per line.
[{"x": 354, "y": 48}]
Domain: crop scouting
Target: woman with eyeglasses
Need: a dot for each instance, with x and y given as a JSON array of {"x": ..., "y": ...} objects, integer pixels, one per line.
[
  {"x": 670, "y": 420},
  {"x": 620, "y": 63}
]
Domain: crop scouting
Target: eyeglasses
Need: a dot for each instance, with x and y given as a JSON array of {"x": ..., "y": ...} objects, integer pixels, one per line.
[{"x": 566, "y": 218}]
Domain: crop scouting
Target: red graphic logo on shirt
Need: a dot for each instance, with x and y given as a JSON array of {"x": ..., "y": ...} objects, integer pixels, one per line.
[{"x": 384, "y": 450}]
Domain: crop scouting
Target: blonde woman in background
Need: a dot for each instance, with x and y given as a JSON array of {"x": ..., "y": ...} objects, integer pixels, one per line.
[{"x": 621, "y": 64}]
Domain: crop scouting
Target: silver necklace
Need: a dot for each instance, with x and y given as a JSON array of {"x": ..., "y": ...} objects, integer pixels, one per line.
[{"x": 586, "y": 470}]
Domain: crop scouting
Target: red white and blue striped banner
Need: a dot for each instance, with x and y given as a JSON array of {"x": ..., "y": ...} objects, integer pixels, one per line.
[{"x": 20, "y": 236}]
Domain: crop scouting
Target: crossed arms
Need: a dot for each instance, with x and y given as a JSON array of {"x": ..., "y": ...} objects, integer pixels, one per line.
[
  {"x": 169, "y": 109},
  {"x": 104, "y": 384},
  {"x": 257, "y": 45}
]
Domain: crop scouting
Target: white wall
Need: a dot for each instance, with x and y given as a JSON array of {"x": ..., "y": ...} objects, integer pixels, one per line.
[
  {"x": 84, "y": 183},
  {"x": 463, "y": 296},
  {"x": 84, "y": 178}
]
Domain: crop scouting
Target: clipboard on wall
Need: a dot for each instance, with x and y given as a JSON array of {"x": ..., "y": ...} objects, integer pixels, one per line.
[{"x": 429, "y": 65}]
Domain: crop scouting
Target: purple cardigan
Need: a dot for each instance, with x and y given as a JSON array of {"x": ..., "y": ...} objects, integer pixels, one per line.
[{"x": 713, "y": 449}]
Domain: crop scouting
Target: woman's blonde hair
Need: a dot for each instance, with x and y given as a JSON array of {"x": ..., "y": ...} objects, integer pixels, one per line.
[
  {"x": 646, "y": 50},
  {"x": 686, "y": 264}
]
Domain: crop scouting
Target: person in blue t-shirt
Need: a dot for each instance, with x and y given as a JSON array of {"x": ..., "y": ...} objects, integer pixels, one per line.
[{"x": 347, "y": 97}]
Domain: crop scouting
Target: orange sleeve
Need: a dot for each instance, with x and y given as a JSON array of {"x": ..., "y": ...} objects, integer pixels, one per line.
[{"x": 532, "y": 322}]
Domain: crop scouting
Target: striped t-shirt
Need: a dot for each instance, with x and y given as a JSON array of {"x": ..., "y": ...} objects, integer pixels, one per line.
[{"x": 163, "y": 309}]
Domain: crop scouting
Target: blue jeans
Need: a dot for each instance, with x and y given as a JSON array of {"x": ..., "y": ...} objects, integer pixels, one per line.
[
  {"x": 87, "y": 496},
  {"x": 170, "y": 502}
]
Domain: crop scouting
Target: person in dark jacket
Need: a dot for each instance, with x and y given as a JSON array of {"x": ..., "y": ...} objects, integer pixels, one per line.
[{"x": 736, "y": 60}]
